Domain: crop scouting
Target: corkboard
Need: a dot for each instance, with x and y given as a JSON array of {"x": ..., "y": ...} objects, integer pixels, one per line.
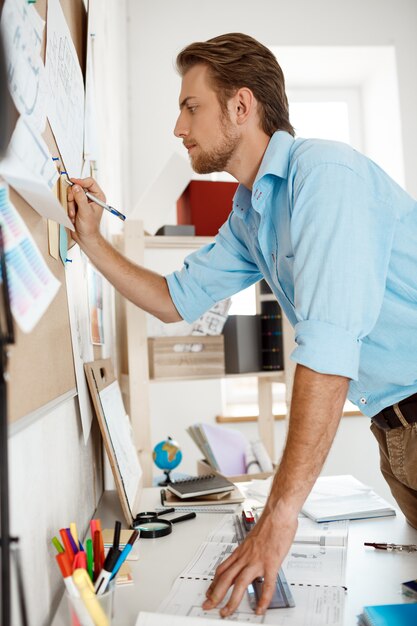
[{"x": 40, "y": 364}]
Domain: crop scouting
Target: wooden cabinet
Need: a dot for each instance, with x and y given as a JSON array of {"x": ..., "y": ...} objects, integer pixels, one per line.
[{"x": 164, "y": 254}]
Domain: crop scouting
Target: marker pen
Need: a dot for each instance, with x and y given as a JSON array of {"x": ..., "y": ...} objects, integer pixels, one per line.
[
  {"x": 82, "y": 618},
  {"x": 122, "y": 558},
  {"x": 82, "y": 583},
  {"x": 105, "y": 575},
  {"x": 67, "y": 544}
]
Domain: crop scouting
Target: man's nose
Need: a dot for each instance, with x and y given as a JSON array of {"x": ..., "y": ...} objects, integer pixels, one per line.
[{"x": 180, "y": 129}]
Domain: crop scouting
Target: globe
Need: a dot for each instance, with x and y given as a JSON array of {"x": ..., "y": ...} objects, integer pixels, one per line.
[{"x": 167, "y": 456}]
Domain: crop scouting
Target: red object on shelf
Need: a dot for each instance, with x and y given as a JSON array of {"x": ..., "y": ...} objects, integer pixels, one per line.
[{"x": 206, "y": 204}]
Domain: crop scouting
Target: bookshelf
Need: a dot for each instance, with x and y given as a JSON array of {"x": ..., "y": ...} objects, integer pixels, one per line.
[{"x": 164, "y": 254}]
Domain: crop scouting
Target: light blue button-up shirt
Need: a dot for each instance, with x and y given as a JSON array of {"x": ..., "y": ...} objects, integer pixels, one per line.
[{"x": 336, "y": 239}]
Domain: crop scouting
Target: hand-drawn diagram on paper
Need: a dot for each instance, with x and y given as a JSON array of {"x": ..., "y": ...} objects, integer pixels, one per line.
[
  {"x": 66, "y": 105},
  {"x": 29, "y": 147},
  {"x": 22, "y": 29}
]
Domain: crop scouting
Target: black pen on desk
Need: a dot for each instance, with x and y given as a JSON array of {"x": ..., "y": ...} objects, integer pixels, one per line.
[
  {"x": 97, "y": 200},
  {"x": 163, "y": 497},
  {"x": 116, "y": 535},
  {"x": 393, "y": 547}
]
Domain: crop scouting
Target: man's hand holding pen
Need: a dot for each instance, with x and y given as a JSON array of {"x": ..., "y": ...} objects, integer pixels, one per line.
[{"x": 85, "y": 214}]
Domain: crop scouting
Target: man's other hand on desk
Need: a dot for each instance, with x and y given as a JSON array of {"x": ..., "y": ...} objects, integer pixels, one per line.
[{"x": 261, "y": 554}]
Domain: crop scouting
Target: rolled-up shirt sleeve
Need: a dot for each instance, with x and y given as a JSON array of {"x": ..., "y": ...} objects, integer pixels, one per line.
[
  {"x": 341, "y": 237},
  {"x": 213, "y": 273}
]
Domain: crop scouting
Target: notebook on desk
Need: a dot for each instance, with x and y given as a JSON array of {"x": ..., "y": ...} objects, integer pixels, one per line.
[
  {"x": 204, "y": 502},
  {"x": 197, "y": 486},
  {"x": 344, "y": 497}
]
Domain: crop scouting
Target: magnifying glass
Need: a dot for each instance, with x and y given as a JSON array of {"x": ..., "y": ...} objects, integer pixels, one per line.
[
  {"x": 147, "y": 516},
  {"x": 154, "y": 527}
]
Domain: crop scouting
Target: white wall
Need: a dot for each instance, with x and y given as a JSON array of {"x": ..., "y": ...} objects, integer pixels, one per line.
[
  {"x": 54, "y": 477},
  {"x": 160, "y": 28}
]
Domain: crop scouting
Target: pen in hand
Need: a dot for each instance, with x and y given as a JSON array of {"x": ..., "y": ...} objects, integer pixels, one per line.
[
  {"x": 393, "y": 547},
  {"x": 98, "y": 201}
]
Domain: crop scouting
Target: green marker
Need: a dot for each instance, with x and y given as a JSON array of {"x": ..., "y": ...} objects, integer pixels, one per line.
[
  {"x": 57, "y": 545},
  {"x": 89, "y": 546}
]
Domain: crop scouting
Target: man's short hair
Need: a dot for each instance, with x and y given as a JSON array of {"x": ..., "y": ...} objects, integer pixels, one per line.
[{"x": 236, "y": 60}]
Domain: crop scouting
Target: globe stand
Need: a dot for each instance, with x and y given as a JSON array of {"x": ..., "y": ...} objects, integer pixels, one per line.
[{"x": 167, "y": 480}]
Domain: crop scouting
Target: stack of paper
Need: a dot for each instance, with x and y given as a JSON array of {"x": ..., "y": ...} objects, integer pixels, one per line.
[{"x": 344, "y": 497}]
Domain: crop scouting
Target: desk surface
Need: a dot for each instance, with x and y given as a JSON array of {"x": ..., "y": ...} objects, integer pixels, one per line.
[{"x": 372, "y": 577}]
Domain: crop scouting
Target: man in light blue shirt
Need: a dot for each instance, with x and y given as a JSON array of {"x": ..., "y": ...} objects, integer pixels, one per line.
[
  {"x": 332, "y": 234},
  {"x": 335, "y": 238}
]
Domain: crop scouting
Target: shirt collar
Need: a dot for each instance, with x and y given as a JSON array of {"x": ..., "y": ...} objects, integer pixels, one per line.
[
  {"x": 277, "y": 156},
  {"x": 274, "y": 162}
]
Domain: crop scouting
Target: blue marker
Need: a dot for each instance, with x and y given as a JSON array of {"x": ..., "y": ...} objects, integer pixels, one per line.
[
  {"x": 99, "y": 202},
  {"x": 123, "y": 556}
]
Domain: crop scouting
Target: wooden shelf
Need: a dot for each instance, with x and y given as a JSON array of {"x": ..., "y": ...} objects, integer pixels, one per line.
[
  {"x": 166, "y": 242},
  {"x": 278, "y": 377}
]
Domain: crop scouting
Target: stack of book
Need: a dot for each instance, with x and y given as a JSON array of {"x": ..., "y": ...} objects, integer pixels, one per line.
[{"x": 229, "y": 452}]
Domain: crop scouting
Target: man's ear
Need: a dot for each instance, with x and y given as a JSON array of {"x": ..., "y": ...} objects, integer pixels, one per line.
[{"x": 244, "y": 105}]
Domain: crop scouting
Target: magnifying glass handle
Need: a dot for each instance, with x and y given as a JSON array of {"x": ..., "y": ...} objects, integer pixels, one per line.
[
  {"x": 171, "y": 510},
  {"x": 182, "y": 518}
]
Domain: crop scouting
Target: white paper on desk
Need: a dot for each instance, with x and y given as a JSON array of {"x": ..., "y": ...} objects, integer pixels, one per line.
[
  {"x": 314, "y": 606},
  {"x": 206, "y": 560},
  {"x": 323, "y": 534},
  {"x": 82, "y": 349},
  {"x": 308, "y": 532},
  {"x": 187, "y": 595},
  {"x": 159, "y": 619},
  {"x": 66, "y": 105},
  {"x": 315, "y": 565},
  {"x": 225, "y": 531},
  {"x": 118, "y": 425},
  {"x": 259, "y": 489},
  {"x": 22, "y": 29},
  {"x": 34, "y": 190}
]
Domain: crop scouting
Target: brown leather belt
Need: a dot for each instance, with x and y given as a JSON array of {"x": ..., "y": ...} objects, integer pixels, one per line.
[{"x": 399, "y": 415}]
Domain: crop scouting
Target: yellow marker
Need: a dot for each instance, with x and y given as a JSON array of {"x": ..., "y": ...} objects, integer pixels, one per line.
[
  {"x": 74, "y": 533},
  {"x": 83, "y": 582}
]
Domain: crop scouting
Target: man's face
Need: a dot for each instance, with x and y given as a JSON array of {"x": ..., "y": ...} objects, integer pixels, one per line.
[{"x": 207, "y": 132}]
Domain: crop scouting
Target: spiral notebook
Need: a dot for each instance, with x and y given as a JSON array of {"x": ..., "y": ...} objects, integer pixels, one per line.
[{"x": 200, "y": 486}]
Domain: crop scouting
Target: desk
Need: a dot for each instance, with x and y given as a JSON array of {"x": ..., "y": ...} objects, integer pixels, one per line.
[{"x": 372, "y": 577}]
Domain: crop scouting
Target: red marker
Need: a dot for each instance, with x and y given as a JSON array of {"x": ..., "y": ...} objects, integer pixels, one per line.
[
  {"x": 67, "y": 544},
  {"x": 248, "y": 519}
]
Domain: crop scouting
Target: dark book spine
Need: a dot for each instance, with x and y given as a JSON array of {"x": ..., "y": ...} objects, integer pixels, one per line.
[{"x": 271, "y": 336}]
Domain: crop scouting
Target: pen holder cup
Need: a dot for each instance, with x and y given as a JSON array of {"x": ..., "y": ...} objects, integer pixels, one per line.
[{"x": 92, "y": 611}]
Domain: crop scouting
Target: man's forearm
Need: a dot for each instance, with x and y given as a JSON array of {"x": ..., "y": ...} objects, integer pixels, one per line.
[
  {"x": 316, "y": 409},
  {"x": 146, "y": 289}
]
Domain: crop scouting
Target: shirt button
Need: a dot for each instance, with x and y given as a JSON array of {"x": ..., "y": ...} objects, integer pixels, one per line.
[{"x": 362, "y": 400}]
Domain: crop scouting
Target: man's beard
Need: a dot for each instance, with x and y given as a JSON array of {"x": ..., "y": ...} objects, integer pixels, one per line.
[{"x": 216, "y": 160}]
